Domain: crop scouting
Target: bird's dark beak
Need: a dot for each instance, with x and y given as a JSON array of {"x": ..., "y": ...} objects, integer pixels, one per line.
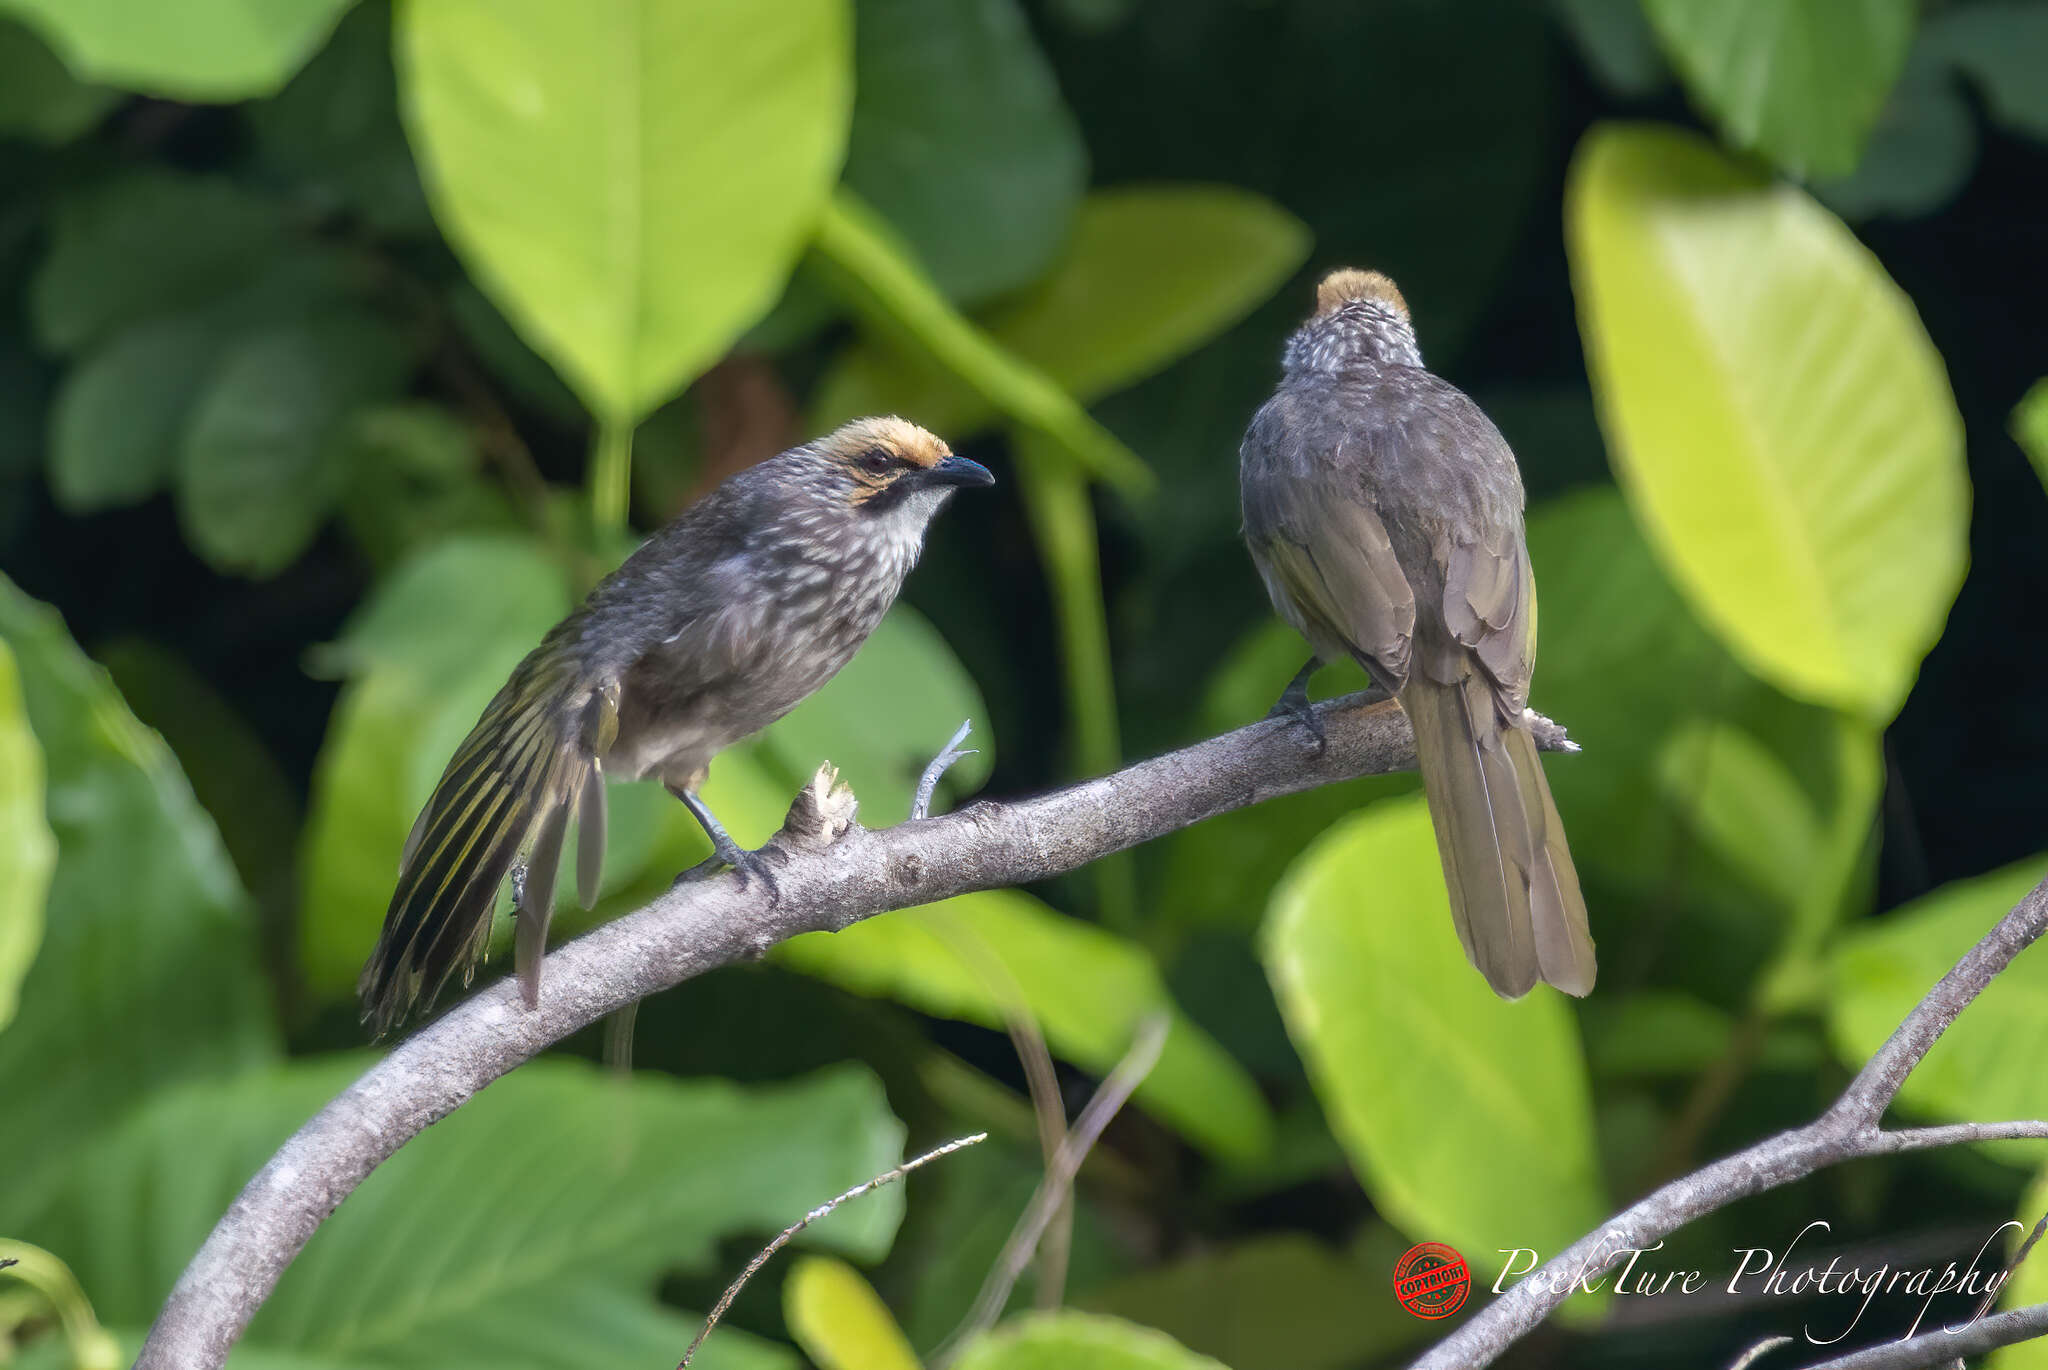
[{"x": 957, "y": 471}]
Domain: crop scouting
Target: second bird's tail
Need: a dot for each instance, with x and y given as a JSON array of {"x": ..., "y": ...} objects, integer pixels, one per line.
[
  {"x": 1514, "y": 891},
  {"x": 528, "y": 766}
]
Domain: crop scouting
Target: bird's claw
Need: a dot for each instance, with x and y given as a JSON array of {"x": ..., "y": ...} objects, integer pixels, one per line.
[
  {"x": 745, "y": 865},
  {"x": 1296, "y": 709}
]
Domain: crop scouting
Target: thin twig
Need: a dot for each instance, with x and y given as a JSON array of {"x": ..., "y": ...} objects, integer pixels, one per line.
[
  {"x": 1052, "y": 1191},
  {"x": 2026, "y": 1249},
  {"x": 1758, "y": 1352},
  {"x": 1942, "y": 1345},
  {"x": 928, "y": 783},
  {"x": 1047, "y": 1108},
  {"x": 732, "y": 1291}
]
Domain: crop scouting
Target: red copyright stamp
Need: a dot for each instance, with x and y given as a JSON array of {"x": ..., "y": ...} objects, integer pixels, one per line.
[{"x": 1431, "y": 1280}]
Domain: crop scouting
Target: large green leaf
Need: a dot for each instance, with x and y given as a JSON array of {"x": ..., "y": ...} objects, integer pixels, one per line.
[
  {"x": 533, "y": 1222},
  {"x": 1800, "y": 82},
  {"x": 28, "y": 850},
  {"x": 1088, "y": 989},
  {"x": 39, "y": 99},
  {"x": 2001, "y": 46},
  {"x": 1777, "y": 415},
  {"x": 840, "y": 1321},
  {"x": 2030, "y": 427},
  {"x": 1078, "y": 1341},
  {"x": 121, "y": 414},
  {"x": 1693, "y": 770},
  {"x": 146, "y": 243},
  {"x": 198, "y": 50},
  {"x": 1921, "y": 152},
  {"x": 630, "y": 180},
  {"x": 885, "y": 716},
  {"x": 258, "y": 468},
  {"x": 1149, "y": 275},
  {"x": 961, "y": 139},
  {"x": 147, "y": 974},
  {"x": 1467, "y": 1117},
  {"x": 1986, "y": 1067}
]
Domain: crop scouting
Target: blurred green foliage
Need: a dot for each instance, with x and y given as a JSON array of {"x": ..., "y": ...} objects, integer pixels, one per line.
[{"x": 345, "y": 343}]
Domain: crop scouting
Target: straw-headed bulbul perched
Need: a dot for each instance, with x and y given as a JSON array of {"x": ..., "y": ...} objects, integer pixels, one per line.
[
  {"x": 1384, "y": 511},
  {"x": 720, "y": 624}
]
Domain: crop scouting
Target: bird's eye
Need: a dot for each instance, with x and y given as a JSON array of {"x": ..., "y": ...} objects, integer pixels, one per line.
[{"x": 875, "y": 461}]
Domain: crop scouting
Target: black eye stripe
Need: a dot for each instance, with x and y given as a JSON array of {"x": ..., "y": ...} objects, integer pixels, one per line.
[{"x": 877, "y": 460}]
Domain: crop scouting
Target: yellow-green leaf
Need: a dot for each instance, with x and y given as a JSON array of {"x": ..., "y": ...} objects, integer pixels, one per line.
[
  {"x": 1089, "y": 990},
  {"x": 1468, "y": 1118},
  {"x": 1776, "y": 414},
  {"x": 629, "y": 180},
  {"x": 28, "y": 851},
  {"x": 2030, "y": 428},
  {"x": 1079, "y": 1341},
  {"x": 195, "y": 50},
  {"x": 1150, "y": 274},
  {"x": 840, "y": 1322}
]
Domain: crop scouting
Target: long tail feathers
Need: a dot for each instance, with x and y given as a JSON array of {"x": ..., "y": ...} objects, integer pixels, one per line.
[
  {"x": 1514, "y": 893},
  {"x": 510, "y": 786}
]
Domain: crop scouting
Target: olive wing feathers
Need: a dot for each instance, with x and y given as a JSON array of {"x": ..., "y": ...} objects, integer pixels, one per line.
[{"x": 532, "y": 762}]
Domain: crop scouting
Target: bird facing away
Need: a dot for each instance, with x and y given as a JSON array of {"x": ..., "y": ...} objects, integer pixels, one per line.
[
  {"x": 1384, "y": 512},
  {"x": 718, "y": 625}
]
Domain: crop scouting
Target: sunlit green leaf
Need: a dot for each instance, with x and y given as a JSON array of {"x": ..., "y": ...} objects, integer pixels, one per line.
[
  {"x": 197, "y": 50},
  {"x": 1777, "y": 415},
  {"x": 39, "y": 99},
  {"x": 1149, "y": 275},
  {"x": 864, "y": 261},
  {"x": 28, "y": 850},
  {"x": 630, "y": 180},
  {"x": 536, "y": 1220},
  {"x": 1078, "y": 1341},
  {"x": 961, "y": 140},
  {"x": 1985, "y": 1067},
  {"x": 1800, "y": 82},
  {"x": 258, "y": 468},
  {"x": 839, "y": 1320},
  {"x": 1692, "y": 768},
  {"x": 1468, "y": 1118},
  {"x": 2030, "y": 427},
  {"x": 147, "y": 974},
  {"x": 1088, "y": 989}
]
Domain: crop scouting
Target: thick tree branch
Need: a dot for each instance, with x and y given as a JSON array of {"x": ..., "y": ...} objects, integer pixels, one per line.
[
  {"x": 1848, "y": 1129},
  {"x": 835, "y": 874}
]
